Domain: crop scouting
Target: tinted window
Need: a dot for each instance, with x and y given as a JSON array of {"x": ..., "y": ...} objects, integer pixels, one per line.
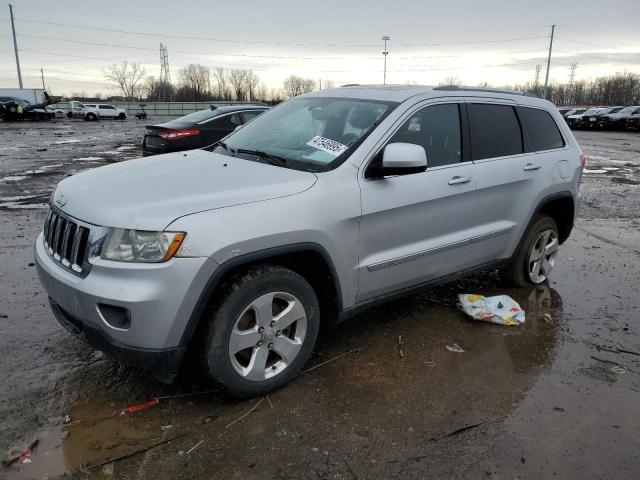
[
  {"x": 495, "y": 131},
  {"x": 226, "y": 122},
  {"x": 542, "y": 130},
  {"x": 437, "y": 129},
  {"x": 248, "y": 116},
  {"x": 107, "y": 107}
]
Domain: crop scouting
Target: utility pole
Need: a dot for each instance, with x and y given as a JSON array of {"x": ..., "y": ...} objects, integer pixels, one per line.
[
  {"x": 385, "y": 53},
  {"x": 42, "y": 76},
  {"x": 15, "y": 45},
  {"x": 546, "y": 78},
  {"x": 536, "y": 80}
]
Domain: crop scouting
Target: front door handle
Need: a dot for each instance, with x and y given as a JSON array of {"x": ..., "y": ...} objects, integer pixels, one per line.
[
  {"x": 530, "y": 167},
  {"x": 458, "y": 180}
]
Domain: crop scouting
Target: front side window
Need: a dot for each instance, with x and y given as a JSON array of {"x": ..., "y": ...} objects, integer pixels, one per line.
[
  {"x": 542, "y": 130},
  {"x": 495, "y": 131},
  {"x": 437, "y": 129},
  {"x": 309, "y": 133}
]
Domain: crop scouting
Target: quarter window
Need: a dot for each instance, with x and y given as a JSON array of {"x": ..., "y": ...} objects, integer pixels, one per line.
[
  {"x": 437, "y": 129},
  {"x": 542, "y": 130},
  {"x": 494, "y": 130}
]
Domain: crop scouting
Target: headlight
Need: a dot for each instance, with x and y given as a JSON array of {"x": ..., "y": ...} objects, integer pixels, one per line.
[{"x": 139, "y": 246}]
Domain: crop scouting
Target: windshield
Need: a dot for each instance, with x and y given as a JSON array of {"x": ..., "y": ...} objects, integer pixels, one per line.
[
  {"x": 591, "y": 111},
  {"x": 627, "y": 110},
  {"x": 615, "y": 110},
  {"x": 196, "y": 117},
  {"x": 313, "y": 134}
]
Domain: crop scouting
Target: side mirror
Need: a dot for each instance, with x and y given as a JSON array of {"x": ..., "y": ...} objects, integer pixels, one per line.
[{"x": 403, "y": 159}]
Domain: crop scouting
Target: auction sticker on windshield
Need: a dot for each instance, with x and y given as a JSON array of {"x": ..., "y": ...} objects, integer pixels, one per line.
[{"x": 327, "y": 145}]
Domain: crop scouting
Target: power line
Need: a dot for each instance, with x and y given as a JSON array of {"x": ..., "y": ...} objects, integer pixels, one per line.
[
  {"x": 186, "y": 37},
  {"x": 470, "y": 43}
]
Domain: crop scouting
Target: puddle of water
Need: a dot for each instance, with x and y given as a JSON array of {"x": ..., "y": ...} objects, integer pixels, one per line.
[
  {"x": 599, "y": 170},
  {"x": 61, "y": 142},
  {"x": 13, "y": 178},
  {"x": 87, "y": 159}
]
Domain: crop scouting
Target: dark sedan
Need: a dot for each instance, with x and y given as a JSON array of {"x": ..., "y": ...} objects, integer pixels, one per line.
[
  {"x": 198, "y": 129},
  {"x": 617, "y": 121}
]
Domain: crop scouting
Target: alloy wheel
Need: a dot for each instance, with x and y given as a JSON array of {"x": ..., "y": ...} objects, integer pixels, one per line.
[
  {"x": 542, "y": 256},
  {"x": 267, "y": 336}
]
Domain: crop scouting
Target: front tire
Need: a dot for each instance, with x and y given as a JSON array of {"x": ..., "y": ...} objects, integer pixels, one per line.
[
  {"x": 260, "y": 331},
  {"x": 91, "y": 117},
  {"x": 536, "y": 256},
  {"x": 122, "y": 116}
]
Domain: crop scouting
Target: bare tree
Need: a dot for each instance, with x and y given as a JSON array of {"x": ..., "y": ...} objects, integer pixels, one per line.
[
  {"x": 194, "y": 82},
  {"x": 251, "y": 82},
  {"x": 126, "y": 78},
  {"x": 238, "y": 81},
  {"x": 295, "y": 85},
  {"x": 450, "y": 80},
  {"x": 221, "y": 76}
]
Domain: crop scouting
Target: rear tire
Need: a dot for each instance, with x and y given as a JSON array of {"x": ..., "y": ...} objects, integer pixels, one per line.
[
  {"x": 535, "y": 258},
  {"x": 260, "y": 331}
]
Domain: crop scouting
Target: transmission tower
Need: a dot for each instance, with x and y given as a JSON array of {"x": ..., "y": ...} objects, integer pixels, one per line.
[
  {"x": 166, "y": 91},
  {"x": 572, "y": 76}
]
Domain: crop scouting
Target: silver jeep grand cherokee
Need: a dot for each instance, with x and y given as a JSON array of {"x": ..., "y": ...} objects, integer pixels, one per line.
[{"x": 322, "y": 206}]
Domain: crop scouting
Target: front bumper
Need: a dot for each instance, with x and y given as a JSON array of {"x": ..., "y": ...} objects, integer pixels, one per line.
[{"x": 159, "y": 299}]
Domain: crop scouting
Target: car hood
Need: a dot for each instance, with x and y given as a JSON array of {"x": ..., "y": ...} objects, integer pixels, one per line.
[{"x": 149, "y": 193}]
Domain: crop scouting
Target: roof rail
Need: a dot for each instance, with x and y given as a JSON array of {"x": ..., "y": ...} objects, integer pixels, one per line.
[{"x": 480, "y": 89}]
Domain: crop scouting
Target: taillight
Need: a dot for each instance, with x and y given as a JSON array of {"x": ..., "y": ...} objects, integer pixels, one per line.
[
  {"x": 178, "y": 134},
  {"x": 583, "y": 160}
]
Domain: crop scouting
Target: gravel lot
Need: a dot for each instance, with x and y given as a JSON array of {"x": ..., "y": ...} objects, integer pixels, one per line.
[{"x": 555, "y": 398}]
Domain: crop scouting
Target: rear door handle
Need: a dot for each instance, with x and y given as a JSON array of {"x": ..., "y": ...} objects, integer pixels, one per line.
[
  {"x": 530, "y": 167},
  {"x": 458, "y": 179}
]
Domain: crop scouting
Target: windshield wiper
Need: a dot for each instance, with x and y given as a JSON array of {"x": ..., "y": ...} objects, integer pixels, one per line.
[
  {"x": 219, "y": 143},
  {"x": 272, "y": 159}
]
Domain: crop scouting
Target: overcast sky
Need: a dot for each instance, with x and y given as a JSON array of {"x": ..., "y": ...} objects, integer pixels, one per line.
[{"x": 477, "y": 41}]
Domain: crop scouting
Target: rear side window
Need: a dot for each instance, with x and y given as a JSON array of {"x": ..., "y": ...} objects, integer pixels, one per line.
[
  {"x": 542, "y": 131},
  {"x": 495, "y": 131},
  {"x": 437, "y": 129}
]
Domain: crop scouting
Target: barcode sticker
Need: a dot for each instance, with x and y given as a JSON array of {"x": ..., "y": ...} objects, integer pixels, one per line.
[{"x": 327, "y": 145}]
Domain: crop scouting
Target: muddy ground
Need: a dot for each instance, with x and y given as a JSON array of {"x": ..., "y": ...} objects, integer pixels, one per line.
[{"x": 556, "y": 398}]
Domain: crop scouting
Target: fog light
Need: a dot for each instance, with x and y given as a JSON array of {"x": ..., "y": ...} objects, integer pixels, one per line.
[{"x": 116, "y": 317}]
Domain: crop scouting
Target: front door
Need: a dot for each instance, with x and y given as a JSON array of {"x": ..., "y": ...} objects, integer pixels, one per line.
[{"x": 414, "y": 228}]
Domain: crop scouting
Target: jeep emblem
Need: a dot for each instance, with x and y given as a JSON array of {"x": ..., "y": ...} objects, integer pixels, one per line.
[{"x": 60, "y": 200}]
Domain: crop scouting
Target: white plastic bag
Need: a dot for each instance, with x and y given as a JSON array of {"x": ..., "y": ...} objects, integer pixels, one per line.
[{"x": 501, "y": 309}]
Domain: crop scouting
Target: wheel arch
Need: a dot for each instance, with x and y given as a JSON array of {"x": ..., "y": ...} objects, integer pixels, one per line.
[
  {"x": 310, "y": 260},
  {"x": 561, "y": 208}
]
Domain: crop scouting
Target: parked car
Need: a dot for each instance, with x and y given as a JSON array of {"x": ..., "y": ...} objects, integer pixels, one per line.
[
  {"x": 616, "y": 120},
  {"x": 319, "y": 208},
  {"x": 580, "y": 120},
  {"x": 198, "y": 129},
  {"x": 574, "y": 111},
  {"x": 14, "y": 108},
  {"x": 592, "y": 120},
  {"x": 95, "y": 111},
  {"x": 633, "y": 122}
]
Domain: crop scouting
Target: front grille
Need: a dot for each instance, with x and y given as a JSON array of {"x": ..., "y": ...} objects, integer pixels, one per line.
[{"x": 66, "y": 241}]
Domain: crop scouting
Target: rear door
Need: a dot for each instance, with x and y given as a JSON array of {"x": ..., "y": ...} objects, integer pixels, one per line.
[
  {"x": 249, "y": 115},
  {"x": 510, "y": 178},
  {"x": 107, "y": 111},
  {"x": 415, "y": 228},
  {"x": 219, "y": 127}
]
